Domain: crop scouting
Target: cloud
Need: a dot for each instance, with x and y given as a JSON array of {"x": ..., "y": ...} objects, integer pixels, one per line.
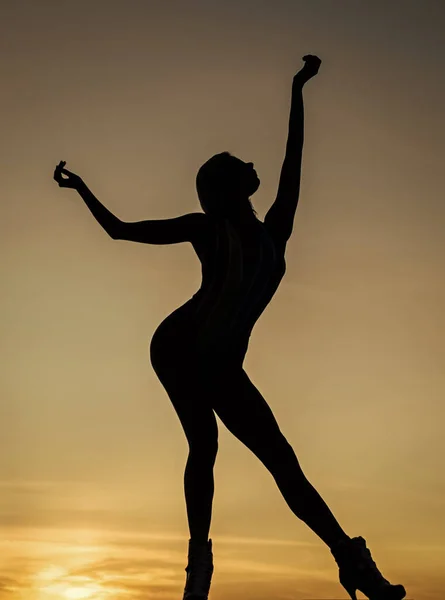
[
  {"x": 114, "y": 564},
  {"x": 109, "y": 565},
  {"x": 8, "y": 587},
  {"x": 11, "y": 587}
]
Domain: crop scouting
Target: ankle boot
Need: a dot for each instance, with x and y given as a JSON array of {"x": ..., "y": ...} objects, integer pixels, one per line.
[
  {"x": 359, "y": 572},
  {"x": 199, "y": 571}
]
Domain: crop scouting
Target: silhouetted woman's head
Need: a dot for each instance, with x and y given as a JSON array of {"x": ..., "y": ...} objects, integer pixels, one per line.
[{"x": 224, "y": 184}]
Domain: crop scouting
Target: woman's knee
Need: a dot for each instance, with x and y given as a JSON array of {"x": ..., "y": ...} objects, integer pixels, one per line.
[
  {"x": 202, "y": 436},
  {"x": 203, "y": 449},
  {"x": 278, "y": 455}
]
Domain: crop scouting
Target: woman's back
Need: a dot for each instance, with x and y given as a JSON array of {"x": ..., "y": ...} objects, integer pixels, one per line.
[{"x": 241, "y": 270}]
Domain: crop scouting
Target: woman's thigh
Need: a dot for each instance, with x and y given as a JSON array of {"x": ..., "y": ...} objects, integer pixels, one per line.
[
  {"x": 246, "y": 414},
  {"x": 184, "y": 381},
  {"x": 199, "y": 383}
]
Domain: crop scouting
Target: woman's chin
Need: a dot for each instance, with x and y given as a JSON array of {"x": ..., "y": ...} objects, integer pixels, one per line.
[{"x": 255, "y": 186}]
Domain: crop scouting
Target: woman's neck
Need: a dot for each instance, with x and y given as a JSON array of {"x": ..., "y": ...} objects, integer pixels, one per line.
[{"x": 244, "y": 213}]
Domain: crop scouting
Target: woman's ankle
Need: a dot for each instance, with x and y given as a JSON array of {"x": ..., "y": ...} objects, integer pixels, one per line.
[
  {"x": 199, "y": 541},
  {"x": 339, "y": 542}
]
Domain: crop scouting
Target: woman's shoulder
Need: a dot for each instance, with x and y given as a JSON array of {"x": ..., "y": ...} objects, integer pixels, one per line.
[{"x": 204, "y": 230}]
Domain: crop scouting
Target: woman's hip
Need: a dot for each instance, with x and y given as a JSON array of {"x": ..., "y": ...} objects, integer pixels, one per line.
[{"x": 180, "y": 348}]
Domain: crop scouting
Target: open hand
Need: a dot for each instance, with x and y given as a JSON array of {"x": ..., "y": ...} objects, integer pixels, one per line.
[
  {"x": 311, "y": 65},
  {"x": 71, "y": 181}
]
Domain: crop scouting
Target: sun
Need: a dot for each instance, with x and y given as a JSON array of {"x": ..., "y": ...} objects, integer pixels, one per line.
[{"x": 77, "y": 593}]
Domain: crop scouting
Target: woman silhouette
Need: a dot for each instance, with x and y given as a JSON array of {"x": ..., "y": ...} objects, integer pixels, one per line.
[{"x": 198, "y": 351}]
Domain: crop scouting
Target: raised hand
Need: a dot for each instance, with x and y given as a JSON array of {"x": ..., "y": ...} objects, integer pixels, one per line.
[
  {"x": 311, "y": 66},
  {"x": 72, "y": 180}
]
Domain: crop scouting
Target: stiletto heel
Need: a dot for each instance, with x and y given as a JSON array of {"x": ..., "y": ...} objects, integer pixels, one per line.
[
  {"x": 358, "y": 571},
  {"x": 349, "y": 586},
  {"x": 351, "y": 591}
]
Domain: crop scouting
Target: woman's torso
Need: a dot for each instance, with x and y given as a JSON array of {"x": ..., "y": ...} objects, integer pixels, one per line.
[{"x": 242, "y": 267}]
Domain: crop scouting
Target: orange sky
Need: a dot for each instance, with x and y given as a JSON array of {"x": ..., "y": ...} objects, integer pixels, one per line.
[{"x": 135, "y": 96}]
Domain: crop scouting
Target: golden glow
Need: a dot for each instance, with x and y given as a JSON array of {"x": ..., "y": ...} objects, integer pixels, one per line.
[
  {"x": 78, "y": 593},
  {"x": 64, "y": 589},
  {"x": 71, "y": 593},
  {"x": 58, "y": 583},
  {"x": 135, "y": 96}
]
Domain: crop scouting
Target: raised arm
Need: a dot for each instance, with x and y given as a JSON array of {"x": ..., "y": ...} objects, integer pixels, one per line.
[
  {"x": 280, "y": 217},
  {"x": 186, "y": 228}
]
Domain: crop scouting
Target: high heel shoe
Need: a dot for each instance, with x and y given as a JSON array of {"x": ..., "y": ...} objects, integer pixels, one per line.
[
  {"x": 199, "y": 571},
  {"x": 359, "y": 572}
]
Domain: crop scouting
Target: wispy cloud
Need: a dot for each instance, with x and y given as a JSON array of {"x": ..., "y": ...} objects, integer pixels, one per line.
[
  {"x": 76, "y": 564},
  {"x": 42, "y": 564}
]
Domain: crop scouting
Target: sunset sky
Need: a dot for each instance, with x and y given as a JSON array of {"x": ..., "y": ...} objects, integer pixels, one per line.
[{"x": 135, "y": 95}]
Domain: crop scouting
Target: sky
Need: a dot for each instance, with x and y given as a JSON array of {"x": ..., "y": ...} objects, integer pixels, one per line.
[{"x": 135, "y": 96}]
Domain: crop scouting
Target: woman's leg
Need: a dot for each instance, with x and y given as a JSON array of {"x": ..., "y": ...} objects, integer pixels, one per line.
[
  {"x": 201, "y": 430},
  {"x": 177, "y": 366},
  {"x": 246, "y": 414}
]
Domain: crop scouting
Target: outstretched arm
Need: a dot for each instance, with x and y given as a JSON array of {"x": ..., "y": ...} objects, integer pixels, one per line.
[
  {"x": 186, "y": 228},
  {"x": 280, "y": 217}
]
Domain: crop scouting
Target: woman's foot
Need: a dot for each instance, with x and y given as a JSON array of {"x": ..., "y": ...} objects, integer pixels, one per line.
[
  {"x": 359, "y": 572},
  {"x": 199, "y": 570}
]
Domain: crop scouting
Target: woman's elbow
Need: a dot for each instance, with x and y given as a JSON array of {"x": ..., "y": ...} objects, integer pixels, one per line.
[{"x": 116, "y": 231}]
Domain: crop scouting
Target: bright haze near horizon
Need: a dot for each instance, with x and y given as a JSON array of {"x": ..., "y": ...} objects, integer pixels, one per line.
[{"x": 135, "y": 96}]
